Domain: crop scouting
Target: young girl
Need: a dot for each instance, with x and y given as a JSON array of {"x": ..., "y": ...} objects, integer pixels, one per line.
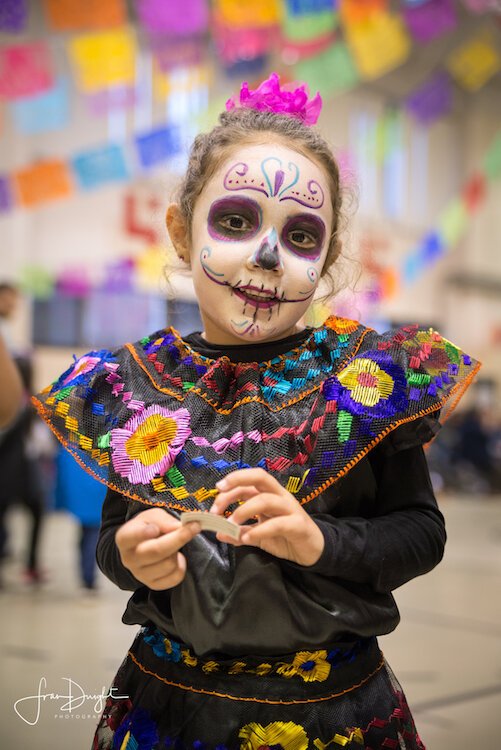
[{"x": 310, "y": 440}]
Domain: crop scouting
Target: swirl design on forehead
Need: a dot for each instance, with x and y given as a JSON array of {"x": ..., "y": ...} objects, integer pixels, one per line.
[{"x": 270, "y": 183}]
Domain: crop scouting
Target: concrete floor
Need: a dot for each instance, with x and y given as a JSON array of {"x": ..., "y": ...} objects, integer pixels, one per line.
[{"x": 446, "y": 651}]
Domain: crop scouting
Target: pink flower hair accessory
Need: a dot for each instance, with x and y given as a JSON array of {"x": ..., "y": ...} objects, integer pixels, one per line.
[{"x": 269, "y": 97}]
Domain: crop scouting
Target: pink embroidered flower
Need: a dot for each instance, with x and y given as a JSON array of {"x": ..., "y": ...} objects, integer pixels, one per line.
[
  {"x": 81, "y": 367},
  {"x": 147, "y": 445},
  {"x": 270, "y": 97}
]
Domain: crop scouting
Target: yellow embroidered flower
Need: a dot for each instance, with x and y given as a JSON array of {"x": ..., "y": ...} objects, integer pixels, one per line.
[
  {"x": 172, "y": 650},
  {"x": 210, "y": 666},
  {"x": 310, "y": 665},
  {"x": 188, "y": 659},
  {"x": 279, "y": 734},
  {"x": 367, "y": 382},
  {"x": 263, "y": 669},
  {"x": 237, "y": 668}
]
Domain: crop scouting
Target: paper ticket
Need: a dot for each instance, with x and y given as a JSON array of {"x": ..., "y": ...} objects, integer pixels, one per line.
[{"x": 212, "y": 522}]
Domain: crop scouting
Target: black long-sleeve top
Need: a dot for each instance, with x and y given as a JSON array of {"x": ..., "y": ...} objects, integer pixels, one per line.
[{"x": 381, "y": 527}]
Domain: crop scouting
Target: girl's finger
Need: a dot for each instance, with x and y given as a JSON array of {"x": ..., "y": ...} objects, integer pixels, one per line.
[
  {"x": 225, "y": 499},
  {"x": 171, "y": 579},
  {"x": 228, "y": 539},
  {"x": 267, "y": 504},
  {"x": 157, "y": 570},
  {"x": 156, "y": 550},
  {"x": 145, "y": 525},
  {"x": 280, "y": 526},
  {"x": 261, "y": 479}
]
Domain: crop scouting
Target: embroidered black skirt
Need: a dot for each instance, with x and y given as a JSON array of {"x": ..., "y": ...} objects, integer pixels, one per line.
[{"x": 343, "y": 695}]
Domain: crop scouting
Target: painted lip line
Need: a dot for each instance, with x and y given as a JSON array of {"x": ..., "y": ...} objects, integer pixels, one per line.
[
  {"x": 251, "y": 288},
  {"x": 263, "y": 304}
]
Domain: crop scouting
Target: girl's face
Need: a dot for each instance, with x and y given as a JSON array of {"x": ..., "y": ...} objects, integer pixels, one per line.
[{"x": 261, "y": 230}]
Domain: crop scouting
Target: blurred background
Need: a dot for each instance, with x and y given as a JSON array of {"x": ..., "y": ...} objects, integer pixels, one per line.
[{"x": 99, "y": 104}]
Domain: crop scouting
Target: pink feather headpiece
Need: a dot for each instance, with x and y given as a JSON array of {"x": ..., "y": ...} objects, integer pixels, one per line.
[{"x": 269, "y": 97}]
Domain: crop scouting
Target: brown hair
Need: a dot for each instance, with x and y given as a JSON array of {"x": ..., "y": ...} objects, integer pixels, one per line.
[{"x": 241, "y": 126}]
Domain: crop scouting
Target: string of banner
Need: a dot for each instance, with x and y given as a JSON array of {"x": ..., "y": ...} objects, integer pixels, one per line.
[{"x": 103, "y": 42}]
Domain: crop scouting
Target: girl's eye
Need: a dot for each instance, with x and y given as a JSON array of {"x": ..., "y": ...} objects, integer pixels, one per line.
[
  {"x": 235, "y": 223},
  {"x": 302, "y": 239},
  {"x": 234, "y": 219}
]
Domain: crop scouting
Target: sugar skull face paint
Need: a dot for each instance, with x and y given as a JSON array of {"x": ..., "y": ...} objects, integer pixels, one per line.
[
  {"x": 260, "y": 235},
  {"x": 234, "y": 218},
  {"x": 304, "y": 235}
]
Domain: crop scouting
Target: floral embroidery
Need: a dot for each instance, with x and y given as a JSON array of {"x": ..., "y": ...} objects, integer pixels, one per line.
[
  {"x": 355, "y": 735},
  {"x": 114, "y": 712},
  {"x": 280, "y": 735},
  {"x": 210, "y": 666},
  {"x": 137, "y": 730},
  {"x": 189, "y": 659},
  {"x": 437, "y": 355},
  {"x": 148, "y": 443},
  {"x": 342, "y": 325},
  {"x": 164, "y": 647},
  {"x": 310, "y": 665},
  {"x": 81, "y": 367},
  {"x": 370, "y": 385},
  {"x": 131, "y": 418}
]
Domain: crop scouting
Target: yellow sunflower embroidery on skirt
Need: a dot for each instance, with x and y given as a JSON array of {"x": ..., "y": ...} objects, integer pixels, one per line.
[
  {"x": 310, "y": 665},
  {"x": 285, "y": 734}
]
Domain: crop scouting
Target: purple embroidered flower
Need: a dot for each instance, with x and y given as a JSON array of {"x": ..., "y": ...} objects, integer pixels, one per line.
[
  {"x": 147, "y": 445},
  {"x": 370, "y": 385},
  {"x": 269, "y": 97}
]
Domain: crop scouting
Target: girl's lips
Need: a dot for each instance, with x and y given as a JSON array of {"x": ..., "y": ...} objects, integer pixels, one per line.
[{"x": 261, "y": 303}]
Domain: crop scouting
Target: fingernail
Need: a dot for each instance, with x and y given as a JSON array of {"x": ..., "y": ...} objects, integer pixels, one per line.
[
  {"x": 222, "y": 484},
  {"x": 244, "y": 538}
]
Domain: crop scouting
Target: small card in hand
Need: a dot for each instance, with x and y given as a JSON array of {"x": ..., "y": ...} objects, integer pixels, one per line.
[{"x": 212, "y": 522}]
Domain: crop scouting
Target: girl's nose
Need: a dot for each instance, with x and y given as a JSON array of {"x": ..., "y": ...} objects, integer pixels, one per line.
[{"x": 267, "y": 255}]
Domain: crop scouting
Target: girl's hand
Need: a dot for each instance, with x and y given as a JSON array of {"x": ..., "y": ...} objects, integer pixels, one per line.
[
  {"x": 283, "y": 529},
  {"x": 149, "y": 547}
]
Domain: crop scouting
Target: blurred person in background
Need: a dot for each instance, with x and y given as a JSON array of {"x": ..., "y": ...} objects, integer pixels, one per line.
[
  {"x": 82, "y": 496},
  {"x": 471, "y": 452},
  {"x": 11, "y": 389},
  {"x": 21, "y": 441},
  {"x": 22, "y": 480},
  {"x": 466, "y": 459}
]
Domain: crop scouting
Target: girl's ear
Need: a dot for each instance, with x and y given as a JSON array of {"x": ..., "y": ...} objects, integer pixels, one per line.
[{"x": 178, "y": 231}]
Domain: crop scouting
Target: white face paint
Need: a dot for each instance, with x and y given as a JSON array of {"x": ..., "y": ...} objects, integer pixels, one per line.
[{"x": 261, "y": 230}]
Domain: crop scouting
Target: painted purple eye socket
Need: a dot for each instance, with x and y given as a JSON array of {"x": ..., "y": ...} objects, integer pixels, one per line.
[
  {"x": 234, "y": 218},
  {"x": 304, "y": 235}
]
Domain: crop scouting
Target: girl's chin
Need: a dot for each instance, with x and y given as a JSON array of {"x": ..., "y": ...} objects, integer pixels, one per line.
[{"x": 256, "y": 332}]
